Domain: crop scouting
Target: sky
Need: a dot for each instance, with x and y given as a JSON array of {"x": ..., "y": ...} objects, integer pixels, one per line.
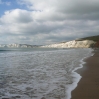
[{"x": 41, "y": 22}]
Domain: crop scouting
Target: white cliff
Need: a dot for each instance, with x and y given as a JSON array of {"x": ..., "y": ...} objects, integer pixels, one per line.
[
  {"x": 72, "y": 44},
  {"x": 17, "y": 46}
]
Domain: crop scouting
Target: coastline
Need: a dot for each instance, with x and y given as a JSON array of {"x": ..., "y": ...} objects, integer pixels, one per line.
[
  {"x": 76, "y": 76},
  {"x": 88, "y": 86}
]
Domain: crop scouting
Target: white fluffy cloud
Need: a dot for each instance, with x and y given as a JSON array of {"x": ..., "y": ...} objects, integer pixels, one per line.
[{"x": 48, "y": 21}]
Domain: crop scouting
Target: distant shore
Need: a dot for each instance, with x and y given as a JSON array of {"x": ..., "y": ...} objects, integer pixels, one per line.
[{"x": 88, "y": 86}]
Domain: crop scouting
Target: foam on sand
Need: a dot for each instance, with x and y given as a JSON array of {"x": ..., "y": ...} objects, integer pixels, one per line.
[{"x": 76, "y": 76}]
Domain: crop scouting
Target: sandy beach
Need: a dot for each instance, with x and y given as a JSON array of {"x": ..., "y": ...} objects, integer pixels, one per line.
[{"x": 88, "y": 86}]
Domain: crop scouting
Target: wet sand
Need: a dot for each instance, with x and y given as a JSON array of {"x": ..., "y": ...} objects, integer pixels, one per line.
[{"x": 88, "y": 86}]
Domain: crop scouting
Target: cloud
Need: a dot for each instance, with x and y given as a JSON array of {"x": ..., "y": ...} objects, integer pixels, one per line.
[
  {"x": 17, "y": 15},
  {"x": 64, "y": 9},
  {"x": 48, "y": 21}
]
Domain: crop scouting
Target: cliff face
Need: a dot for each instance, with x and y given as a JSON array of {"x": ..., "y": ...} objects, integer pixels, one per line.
[
  {"x": 73, "y": 44},
  {"x": 18, "y": 46}
]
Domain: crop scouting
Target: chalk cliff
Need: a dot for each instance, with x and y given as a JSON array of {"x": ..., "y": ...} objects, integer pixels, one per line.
[
  {"x": 87, "y": 42},
  {"x": 18, "y": 46},
  {"x": 73, "y": 44}
]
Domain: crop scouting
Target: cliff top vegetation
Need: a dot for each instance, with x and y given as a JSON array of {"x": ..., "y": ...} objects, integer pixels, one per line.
[{"x": 94, "y": 38}]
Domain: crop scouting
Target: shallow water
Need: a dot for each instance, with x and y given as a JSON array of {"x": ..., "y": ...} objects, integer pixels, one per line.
[{"x": 39, "y": 74}]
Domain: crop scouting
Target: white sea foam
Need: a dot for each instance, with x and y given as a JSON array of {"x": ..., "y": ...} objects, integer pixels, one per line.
[
  {"x": 40, "y": 74},
  {"x": 77, "y": 76}
]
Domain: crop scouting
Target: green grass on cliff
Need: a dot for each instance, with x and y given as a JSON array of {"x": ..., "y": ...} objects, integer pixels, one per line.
[{"x": 94, "y": 38}]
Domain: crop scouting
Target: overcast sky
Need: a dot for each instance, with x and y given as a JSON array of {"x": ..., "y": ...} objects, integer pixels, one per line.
[{"x": 40, "y": 22}]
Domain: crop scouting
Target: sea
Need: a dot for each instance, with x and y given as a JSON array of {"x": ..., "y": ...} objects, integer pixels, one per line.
[{"x": 40, "y": 73}]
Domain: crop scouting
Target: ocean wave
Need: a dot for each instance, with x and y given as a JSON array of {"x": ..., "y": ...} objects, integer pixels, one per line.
[{"x": 40, "y": 74}]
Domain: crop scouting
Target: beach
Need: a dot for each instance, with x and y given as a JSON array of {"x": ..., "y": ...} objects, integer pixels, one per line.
[{"x": 88, "y": 86}]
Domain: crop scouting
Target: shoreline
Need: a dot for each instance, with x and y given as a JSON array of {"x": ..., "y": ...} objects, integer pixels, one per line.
[
  {"x": 88, "y": 85},
  {"x": 76, "y": 76}
]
